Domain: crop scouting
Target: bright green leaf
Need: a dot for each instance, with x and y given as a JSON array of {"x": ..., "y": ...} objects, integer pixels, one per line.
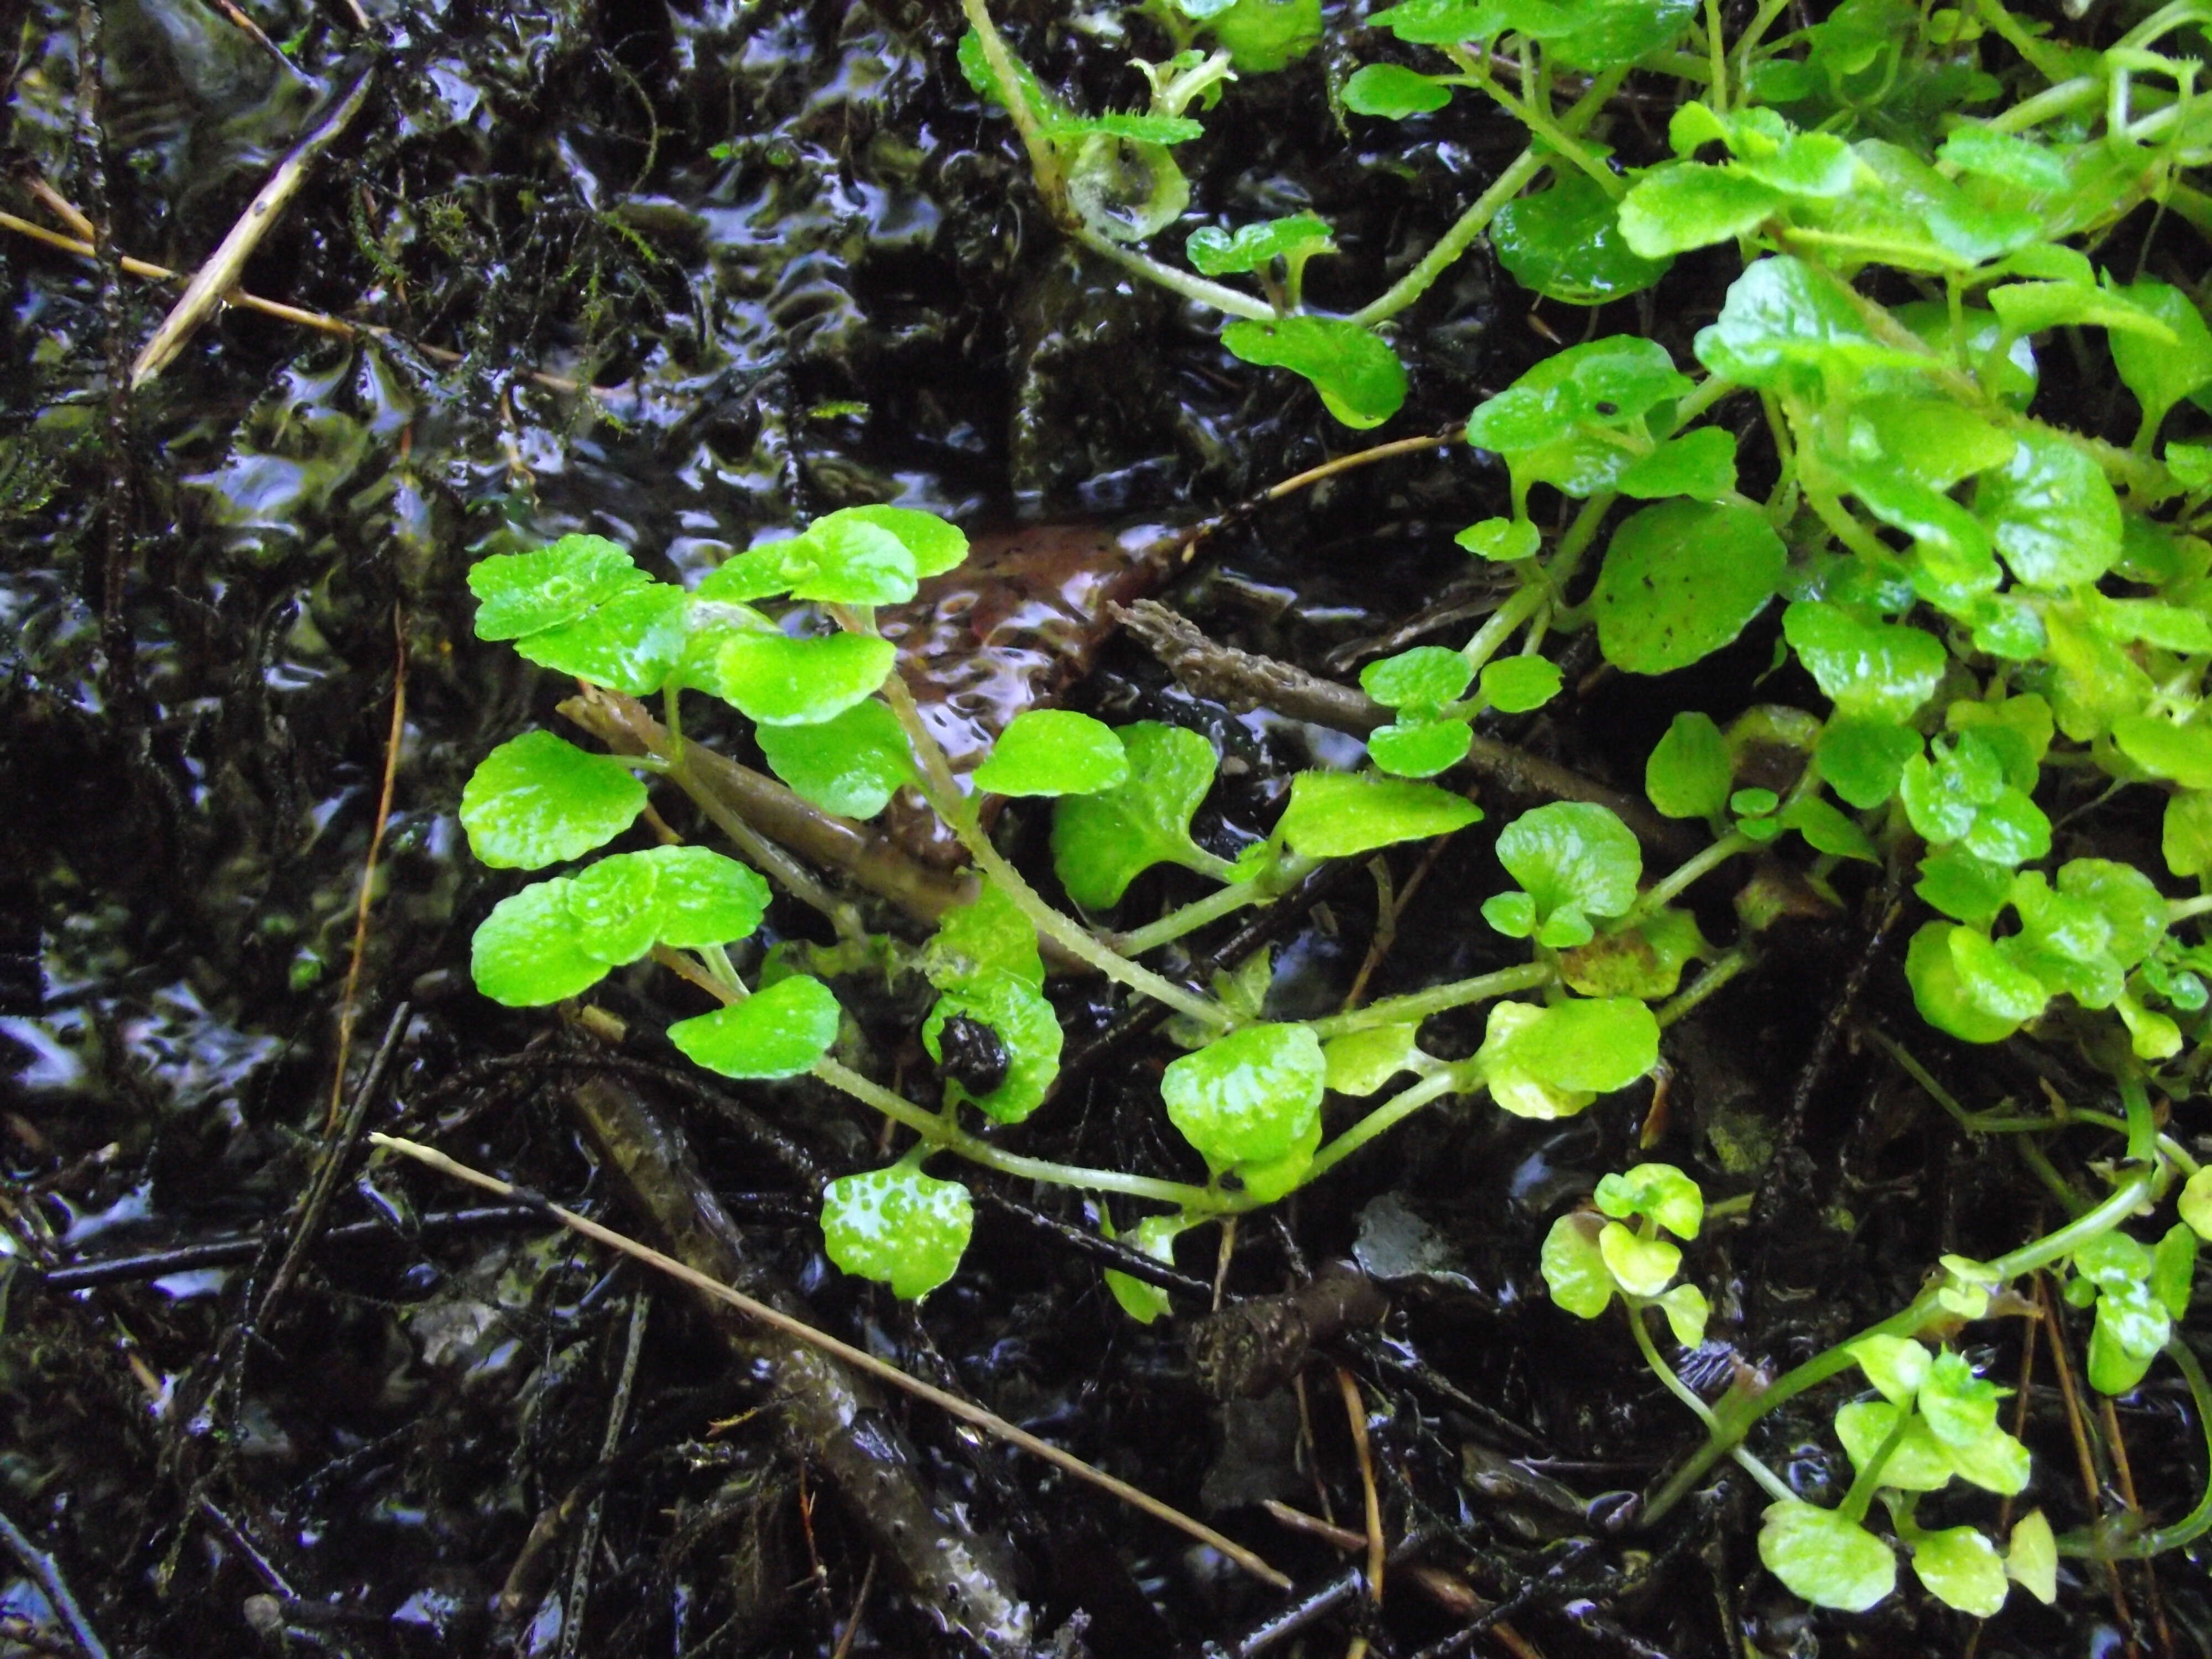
[
  {"x": 1658, "y": 1190},
  {"x": 1680, "y": 581},
  {"x": 1642, "y": 1268},
  {"x": 1501, "y": 541},
  {"x": 850, "y": 764},
  {"x": 1700, "y": 463},
  {"x": 1247, "y": 1098},
  {"x": 1334, "y": 815},
  {"x": 1830, "y": 1560},
  {"x": 614, "y": 910},
  {"x": 1428, "y": 676},
  {"x": 536, "y": 801},
  {"x": 778, "y": 1032},
  {"x": 1961, "y": 1569},
  {"x": 1361, "y": 1062},
  {"x": 1896, "y": 1365},
  {"x": 527, "y": 953},
  {"x": 1420, "y": 749},
  {"x": 1514, "y": 685},
  {"x": 522, "y": 593},
  {"x": 1877, "y": 671},
  {"x": 1360, "y": 378},
  {"x": 702, "y": 898},
  {"x": 1572, "y": 856},
  {"x": 2052, "y": 513},
  {"x": 1943, "y": 995},
  {"x": 1103, "y": 842},
  {"x": 778, "y": 681},
  {"x": 1054, "y": 751},
  {"x": 1017, "y": 1011},
  {"x": 630, "y": 643},
  {"x": 1574, "y": 1268},
  {"x": 897, "y": 1226},
  {"x": 2183, "y": 753},
  {"x": 1214, "y": 252},
  {"x": 1687, "y": 204},
  {"x": 2032, "y": 1557},
  {"x": 1393, "y": 93},
  {"x": 1689, "y": 773}
]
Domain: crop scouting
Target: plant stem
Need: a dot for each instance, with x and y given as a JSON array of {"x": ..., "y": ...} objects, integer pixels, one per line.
[
  {"x": 1188, "y": 918},
  {"x": 2097, "y": 1545},
  {"x": 959, "y": 813},
  {"x": 1386, "y": 1117},
  {"x": 1191, "y": 285},
  {"x": 1420, "y": 1005},
  {"x": 1655, "y": 897},
  {"x": 1775, "y": 1486},
  {"x": 1717, "y": 972},
  {"x": 949, "y": 1137},
  {"x": 1735, "y": 1415}
]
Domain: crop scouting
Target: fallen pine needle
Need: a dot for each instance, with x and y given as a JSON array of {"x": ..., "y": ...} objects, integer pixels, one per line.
[{"x": 989, "y": 1422}]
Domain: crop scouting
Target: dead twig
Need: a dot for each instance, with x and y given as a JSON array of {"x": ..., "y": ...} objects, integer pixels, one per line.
[
  {"x": 47, "y": 1571},
  {"x": 347, "y": 1004},
  {"x": 215, "y": 279},
  {"x": 989, "y": 1422}
]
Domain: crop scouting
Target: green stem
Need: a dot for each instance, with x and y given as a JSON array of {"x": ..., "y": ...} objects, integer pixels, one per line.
[
  {"x": 1492, "y": 636},
  {"x": 1736, "y": 1414},
  {"x": 1655, "y": 897},
  {"x": 1386, "y": 1117},
  {"x": 2099, "y": 1544},
  {"x": 1860, "y": 1497},
  {"x": 949, "y": 1137},
  {"x": 1420, "y": 1005},
  {"x": 1519, "y": 173},
  {"x": 2182, "y": 910},
  {"x": 943, "y": 796},
  {"x": 1190, "y": 917},
  {"x": 1191, "y": 285},
  {"x": 1717, "y": 972},
  {"x": 1775, "y": 1486}
]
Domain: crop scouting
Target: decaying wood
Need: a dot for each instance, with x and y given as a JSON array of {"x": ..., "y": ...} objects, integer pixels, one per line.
[
  {"x": 835, "y": 1419},
  {"x": 214, "y": 280},
  {"x": 1243, "y": 681}
]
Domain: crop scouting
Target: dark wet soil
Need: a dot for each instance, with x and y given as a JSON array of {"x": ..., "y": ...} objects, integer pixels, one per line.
[{"x": 797, "y": 268}]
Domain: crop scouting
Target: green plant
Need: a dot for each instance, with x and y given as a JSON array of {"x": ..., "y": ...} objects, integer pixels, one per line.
[{"x": 1998, "y": 612}]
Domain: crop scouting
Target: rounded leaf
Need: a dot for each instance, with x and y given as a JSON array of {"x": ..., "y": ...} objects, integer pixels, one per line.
[
  {"x": 934, "y": 545},
  {"x": 536, "y": 801},
  {"x": 850, "y": 764},
  {"x": 843, "y": 559},
  {"x": 1689, "y": 774},
  {"x": 1249, "y": 1097},
  {"x": 778, "y": 1032},
  {"x": 1393, "y": 92},
  {"x": 1896, "y": 1365},
  {"x": 1514, "y": 685},
  {"x": 897, "y": 1226},
  {"x": 1334, "y": 815},
  {"x": 2052, "y": 513},
  {"x": 1961, "y": 1569},
  {"x": 703, "y": 897},
  {"x": 1641, "y": 1267},
  {"x": 1680, "y": 581},
  {"x": 2032, "y": 1557},
  {"x": 1573, "y": 855},
  {"x": 523, "y": 594},
  {"x": 1574, "y": 1268},
  {"x": 1565, "y": 244},
  {"x": 1017, "y": 1013},
  {"x": 779, "y": 681},
  {"x": 1420, "y": 749},
  {"x": 632, "y": 642},
  {"x": 1874, "y": 670},
  {"x": 1360, "y": 378},
  {"x": 1686, "y": 1311},
  {"x": 1054, "y": 751},
  {"x": 614, "y": 908},
  {"x": 1103, "y": 842},
  {"x": 1823, "y": 1556},
  {"x": 1426, "y": 677},
  {"x": 525, "y": 952},
  {"x": 1658, "y": 1190}
]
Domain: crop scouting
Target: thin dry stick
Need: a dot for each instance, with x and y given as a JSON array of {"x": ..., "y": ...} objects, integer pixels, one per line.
[
  {"x": 852, "y": 1620},
  {"x": 215, "y": 279},
  {"x": 62, "y": 208},
  {"x": 348, "y": 1006},
  {"x": 2081, "y": 1452},
  {"x": 2160, "y": 1631},
  {"x": 1355, "y": 1412},
  {"x": 989, "y": 1422},
  {"x": 1328, "y": 1532},
  {"x": 321, "y": 321}
]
